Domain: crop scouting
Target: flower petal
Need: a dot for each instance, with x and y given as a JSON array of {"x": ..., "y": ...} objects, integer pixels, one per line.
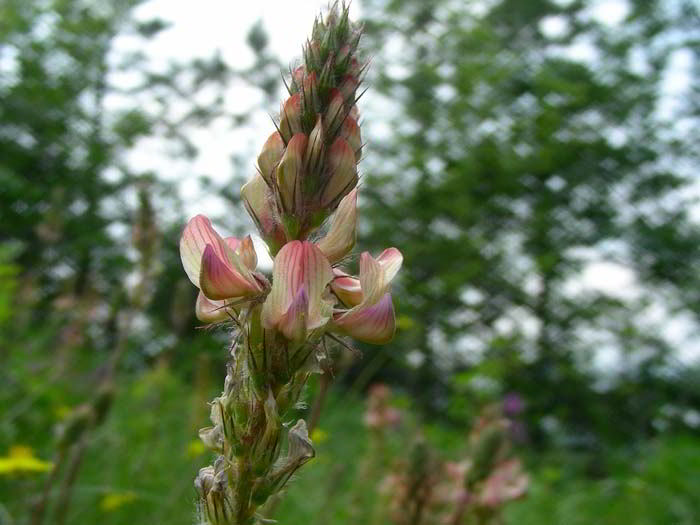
[
  {"x": 232, "y": 242},
  {"x": 290, "y": 117},
  {"x": 246, "y": 251},
  {"x": 391, "y": 261},
  {"x": 219, "y": 280},
  {"x": 270, "y": 155},
  {"x": 260, "y": 204},
  {"x": 197, "y": 235},
  {"x": 293, "y": 323},
  {"x": 347, "y": 288},
  {"x": 372, "y": 281},
  {"x": 368, "y": 323},
  {"x": 209, "y": 311},
  {"x": 298, "y": 265},
  {"x": 340, "y": 239}
]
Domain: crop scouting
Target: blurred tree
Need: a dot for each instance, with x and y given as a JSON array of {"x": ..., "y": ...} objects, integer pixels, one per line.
[
  {"x": 529, "y": 140},
  {"x": 74, "y": 104},
  {"x": 89, "y": 263}
]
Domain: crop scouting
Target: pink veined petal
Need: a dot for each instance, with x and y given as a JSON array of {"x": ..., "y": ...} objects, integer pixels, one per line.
[
  {"x": 347, "y": 288},
  {"x": 293, "y": 323},
  {"x": 209, "y": 311},
  {"x": 390, "y": 260},
  {"x": 371, "y": 279},
  {"x": 219, "y": 281},
  {"x": 197, "y": 235},
  {"x": 371, "y": 324},
  {"x": 298, "y": 265},
  {"x": 340, "y": 239},
  {"x": 246, "y": 251}
]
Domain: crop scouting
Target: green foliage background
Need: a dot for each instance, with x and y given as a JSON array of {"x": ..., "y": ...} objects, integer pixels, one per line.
[{"x": 498, "y": 164}]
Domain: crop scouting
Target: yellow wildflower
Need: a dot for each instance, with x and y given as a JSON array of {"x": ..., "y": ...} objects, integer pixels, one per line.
[{"x": 20, "y": 458}]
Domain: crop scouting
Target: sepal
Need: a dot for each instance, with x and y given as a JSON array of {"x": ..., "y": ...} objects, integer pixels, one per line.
[{"x": 340, "y": 239}]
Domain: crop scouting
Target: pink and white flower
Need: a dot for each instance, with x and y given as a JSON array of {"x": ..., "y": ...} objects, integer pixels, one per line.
[
  {"x": 223, "y": 269},
  {"x": 298, "y": 302},
  {"x": 371, "y": 318}
]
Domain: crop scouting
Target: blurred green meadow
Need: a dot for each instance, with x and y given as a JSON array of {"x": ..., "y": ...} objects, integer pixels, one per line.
[{"x": 535, "y": 163}]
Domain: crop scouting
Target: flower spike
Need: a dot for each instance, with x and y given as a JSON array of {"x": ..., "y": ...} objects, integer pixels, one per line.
[{"x": 306, "y": 177}]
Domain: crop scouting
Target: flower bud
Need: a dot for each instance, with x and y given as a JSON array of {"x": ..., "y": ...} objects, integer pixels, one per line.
[
  {"x": 298, "y": 78},
  {"x": 325, "y": 80},
  {"x": 343, "y": 56},
  {"x": 259, "y": 202},
  {"x": 348, "y": 88},
  {"x": 312, "y": 54},
  {"x": 340, "y": 239},
  {"x": 290, "y": 117},
  {"x": 351, "y": 132},
  {"x": 270, "y": 155},
  {"x": 335, "y": 114},
  {"x": 310, "y": 92},
  {"x": 315, "y": 150},
  {"x": 355, "y": 68},
  {"x": 342, "y": 176},
  {"x": 290, "y": 173}
]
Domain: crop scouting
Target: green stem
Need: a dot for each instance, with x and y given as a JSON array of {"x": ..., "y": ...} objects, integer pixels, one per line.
[{"x": 244, "y": 487}]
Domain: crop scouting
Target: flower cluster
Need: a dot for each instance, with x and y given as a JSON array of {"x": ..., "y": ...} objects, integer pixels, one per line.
[
  {"x": 302, "y": 200},
  {"x": 423, "y": 489}
]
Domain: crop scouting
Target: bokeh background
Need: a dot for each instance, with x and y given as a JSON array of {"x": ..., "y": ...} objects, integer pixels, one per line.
[{"x": 535, "y": 161}]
